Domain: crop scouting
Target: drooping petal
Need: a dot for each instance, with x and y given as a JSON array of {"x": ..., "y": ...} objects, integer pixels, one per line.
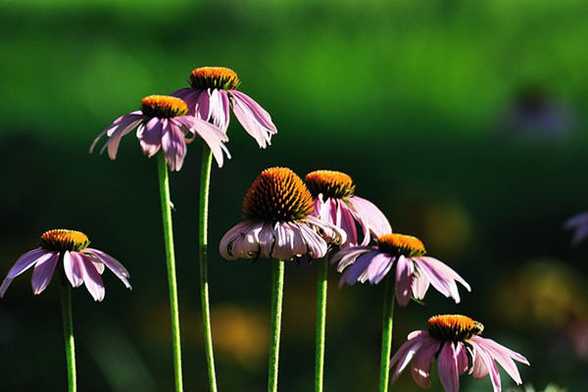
[
  {"x": 441, "y": 276},
  {"x": 43, "y": 273},
  {"x": 332, "y": 234},
  {"x": 348, "y": 224},
  {"x": 405, "y": 354},
  {"x": 112, "y": 264},
  {"x": 202, "y": 105},
  {"x": 92, "y": 280},
  {"x": 23, "y": 264},
  {"x": 250, "y": 121},
  {"x": 420, "y": 284},
  {"x": 447, "y": 368},
  {"x": 174, "y": 145},
  {"x": 503, "y": 356},
  {"x": 489, "y": 364},
  {"x": 150, "y": 136},
  {"x": 212, "y": 136},
  {"x": 347, "y": 256},
  {"x": 420, "y": 368},
  {"x": 375, "y": 220},
  {"x": 219, "y": 109},
  {"x": 404, "y": 277},
  {"x": 117, "y": 130},
  {"x": 72, "y": 265},
  {"x": 261, "y": 115}
]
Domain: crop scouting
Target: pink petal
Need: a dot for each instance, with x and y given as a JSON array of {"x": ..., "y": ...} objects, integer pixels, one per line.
[
  {"x": 250, "y": 122},
  {"x": 214, "y": 138},
  {"x": 73, "y": 269},
  {"x": 113, "y": 265},
  {"x": 502, "y": 355},
  {"x": 404, "y": 274},
  {"x": 92, "y": 280},
  {"x": 174, "y": 146},
  {"x": 43, "y": 273},
  {"x": 150, "y": 137},
  {"x": 421, "y": 365},
  {"x": 24, "y": 263},
  {"x": 219, "y": 109},
  {"x": 375, "y": 220},
  {"x": 447, "y": 368},
  {"x": 491, "y": 367},
  {"x": 261, "y": 115}
]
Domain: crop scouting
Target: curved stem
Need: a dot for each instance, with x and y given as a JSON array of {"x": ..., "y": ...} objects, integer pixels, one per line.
[
  {"x": 203, "y": 259},
  {"x": 321, "y": 324},
  {"x": 276, "y": 324},
  {"x": 387, "y": 322},
  {"x": 68, "y": 335},
  {"x": 171, "y": 269}
]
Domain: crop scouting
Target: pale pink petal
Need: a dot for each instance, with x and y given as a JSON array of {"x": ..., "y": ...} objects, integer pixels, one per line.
[
  {"x": 92, "y": 280},
  {"x": 72, "y": 265},
  {"x": 404, "y": 273},
  {"x": 441, "y": 276},
  {"x": 491, "y": 366},
  {"x": 420, "y": 368},
  {"x": 113, "y": 265},
  {"x": 375, "y": 220},
  {"x": 24, "y": 263},
  {"x": 347, "y": 256},
  {"x": 261, "y": 115},
  {"x": 150, "y": 135},
  {"x": 405, "y": 354},
  {"x": 174, "y": 145},
  {"x": 250, "y": 122},
  {"x": 241, "y": 241},
  {"x": 502, "y": 355},
  {"x": 43, "y": 272},
  {"x": 447, "y": 368},
  {"x": 118, "y": 130},
  {"x": 420, "y": 284},
  {"x": 219, "y": 109},
  {"x": 214, "y": 138}
]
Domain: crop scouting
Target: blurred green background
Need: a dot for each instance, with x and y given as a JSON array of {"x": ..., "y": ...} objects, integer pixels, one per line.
[{"x": 464, "y": 120}]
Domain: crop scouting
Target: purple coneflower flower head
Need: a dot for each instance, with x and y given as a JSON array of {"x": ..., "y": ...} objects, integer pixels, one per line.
[
  {"x": 163, "y": 123},
  {"x": 454, "y": 341},
  {"x": 278, "y": 222},
  {"x": 335, "y": 202},
  {"x": 213, "y": 94},
  {"x": 403, "y": 255},
  {"x": 69, "y": 250},
  {"x": 579, "y": 224}
]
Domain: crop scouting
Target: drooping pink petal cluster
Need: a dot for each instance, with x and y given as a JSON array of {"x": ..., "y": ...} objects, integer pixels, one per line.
[
  {"x": 454, "y": 342},
  {"x": 278, "y": 224},
  {"x": 163, "y": 124},
  {"x": 579, "y": 225},
  {"x": 405, "y": 257},
  {"x": 212, "y": 96},
  {"x": 69, "y": 250},
  {"x": 335, "y": 203}
]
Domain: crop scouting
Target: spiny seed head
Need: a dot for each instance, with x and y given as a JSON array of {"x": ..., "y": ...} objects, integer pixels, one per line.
[
  {"x": 60, "y": 240},
  {"x": 214, "y": 77},
  {"x": 330, "y": 183},
  {"x": 453, "y": 327},
  {"x": 163, "y": 106},
  {"x": 277, "y": 195},
  {"x": 401, "y": 244}
]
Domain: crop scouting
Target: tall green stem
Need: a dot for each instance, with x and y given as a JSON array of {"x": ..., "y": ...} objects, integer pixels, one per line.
[
  {"x": 387, "y": 323},
  {"x": 203, "y": 258},
  {"x": 276, "y": 324},
  {"x": 68, "y": 335},
  {"x": 321, "y": 324},
  {"x": 171, "y": 269}
]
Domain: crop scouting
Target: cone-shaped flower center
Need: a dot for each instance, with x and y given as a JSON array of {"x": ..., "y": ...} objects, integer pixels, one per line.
[
  {"x": 214, "y": 77},
  {"x": 400, "y": 244},
  {"x": 334, "y": 184},
  {"x": 277, "y": 195},
  {"x": 60, "y": 240},
  {"x": 453, "y": 327},
  {"x": 163, "y": 106}
]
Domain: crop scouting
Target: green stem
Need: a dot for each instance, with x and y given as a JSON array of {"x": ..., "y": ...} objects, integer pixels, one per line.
[
  {"x": 387, "y": 322},
  {"x": 276, "y": 324},
  {"x": 321, "y": 324},
  {"x": 68, "y": 335},
  {"x": 171, "y": 269},
  {"x": 203, "y": 258}
]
